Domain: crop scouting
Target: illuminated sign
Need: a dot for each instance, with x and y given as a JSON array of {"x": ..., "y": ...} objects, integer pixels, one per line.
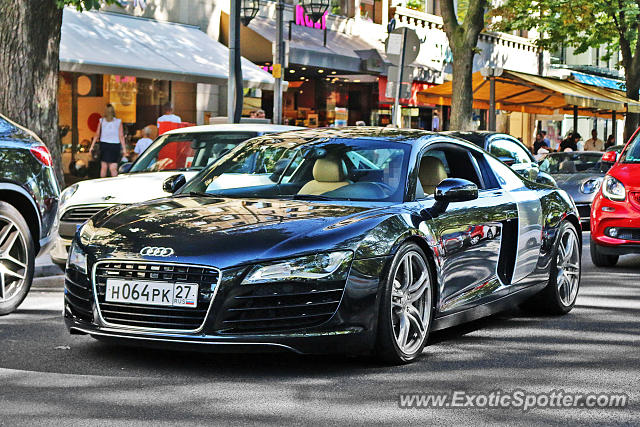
[{"x": 304, "y": 20}]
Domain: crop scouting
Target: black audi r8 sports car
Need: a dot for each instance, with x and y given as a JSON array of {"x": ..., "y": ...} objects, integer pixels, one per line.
[{"x": 356, "y": 241}]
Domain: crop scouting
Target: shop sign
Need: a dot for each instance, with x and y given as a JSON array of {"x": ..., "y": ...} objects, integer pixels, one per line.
[{"x": 305, "y": 21}]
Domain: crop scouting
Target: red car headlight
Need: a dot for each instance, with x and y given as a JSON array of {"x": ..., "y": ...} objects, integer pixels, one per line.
[{"x": 613, "y": 189}]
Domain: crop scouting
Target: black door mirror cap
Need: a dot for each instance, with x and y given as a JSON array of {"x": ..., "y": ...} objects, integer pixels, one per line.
[
  {"x": 452, "y": 190},
  {"x": 174, "y": 183}
]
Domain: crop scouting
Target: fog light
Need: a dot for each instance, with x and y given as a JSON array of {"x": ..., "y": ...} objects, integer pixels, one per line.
[{"x": 613, "y": 232}]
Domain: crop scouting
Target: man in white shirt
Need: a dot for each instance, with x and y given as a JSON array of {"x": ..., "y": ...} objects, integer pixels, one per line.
[
  {"x": 594, "y": 144},
  {"x": 435, "y": 122},
  {"x": 168, "y": 115},
  {"x": 143, "y": 143}
]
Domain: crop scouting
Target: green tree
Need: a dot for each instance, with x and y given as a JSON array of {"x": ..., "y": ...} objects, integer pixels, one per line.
[
  {"x": 463, "y": 40},
  {"x": 29, "y": 65},
  {"x": 583, "y": 24}
]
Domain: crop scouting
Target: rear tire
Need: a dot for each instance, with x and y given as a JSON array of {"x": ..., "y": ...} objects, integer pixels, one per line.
[
  {"x": 406, "y": 309},
  {"x": 17, "y": 258},
  {"x": 599, "y": 259},
  {"x": 559, "y": 296}
]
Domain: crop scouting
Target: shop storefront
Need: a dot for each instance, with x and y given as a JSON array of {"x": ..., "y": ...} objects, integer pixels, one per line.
[{"x": 137, "y": 65}]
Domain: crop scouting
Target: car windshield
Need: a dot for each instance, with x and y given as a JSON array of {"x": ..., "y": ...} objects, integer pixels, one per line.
[
  {"x": 188, "y": 151},
  {"x": 632, "y": 153},
  {"x": 359, "y": 170},
  {"x": 574, "y": 162}
]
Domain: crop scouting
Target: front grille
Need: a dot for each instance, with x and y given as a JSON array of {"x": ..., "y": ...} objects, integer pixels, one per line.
[
  {"x": 584, "y": 211},
  {"x": 156, "y": 317},
  {"x": 78, "y": 295},
  {"x": 82, "y": 214},
  {"x": 280, "y": 306},
  {"x": 635, "y": 199}
]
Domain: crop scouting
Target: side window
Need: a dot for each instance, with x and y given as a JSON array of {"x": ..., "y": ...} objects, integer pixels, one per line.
[
  {"x": 505, "y": 148},
  {"x": 446, "y": 161}
]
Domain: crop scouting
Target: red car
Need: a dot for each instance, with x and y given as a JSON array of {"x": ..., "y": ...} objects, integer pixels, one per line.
[{"x": 615, "y": 213}]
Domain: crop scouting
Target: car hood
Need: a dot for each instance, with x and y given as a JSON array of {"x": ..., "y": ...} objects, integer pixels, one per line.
[
  {"x": 228, "y": 232},
  {"x": 628, "y": 174},
  {"x": 571, "y": 183},
  {"x": 126, "y": 188}
]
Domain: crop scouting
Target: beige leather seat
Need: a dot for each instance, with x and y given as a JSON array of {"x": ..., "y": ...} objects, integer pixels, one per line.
[
  {"x": 328, "y": 175},
  {"x": 431, "y": 173}
]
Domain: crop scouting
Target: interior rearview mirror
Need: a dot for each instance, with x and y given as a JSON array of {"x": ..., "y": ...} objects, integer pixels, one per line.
[{"x": 173, "y": 183}]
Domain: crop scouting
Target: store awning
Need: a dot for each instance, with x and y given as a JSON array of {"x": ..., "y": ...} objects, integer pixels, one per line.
[
  {"x": 534, "y": 94},
  {"x": 342, "y": 52},
  {"x": 112, "y": 43},
  {"x": 599, "y": 81}
]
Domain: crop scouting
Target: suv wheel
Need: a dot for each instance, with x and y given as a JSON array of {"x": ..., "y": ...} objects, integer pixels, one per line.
[{"x": 17, "y": 258}]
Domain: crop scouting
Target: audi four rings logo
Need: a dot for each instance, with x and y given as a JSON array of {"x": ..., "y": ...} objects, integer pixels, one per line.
[{"x": 156, "y": 251}]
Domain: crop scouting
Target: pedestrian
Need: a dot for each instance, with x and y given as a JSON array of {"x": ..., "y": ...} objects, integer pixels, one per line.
[
  {"x": 435, "y": 122},
  {"x": 593, "y": 143},
  {"x": 610, "y": 142},
  {"x": 360, "y": 123},
  {"x": 167, "y": 114},
  {"x": 143, "y": 143},
  {"x": 570, "y": 143},
  {"x": 540, "y": 143},
  {"x": 545, "y": 139},
  {"x": 110, "y": 136},
  {"x": 260, "y": 114}
]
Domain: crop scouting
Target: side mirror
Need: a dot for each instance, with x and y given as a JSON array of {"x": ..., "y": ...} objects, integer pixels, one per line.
[
  {"x": 509, "y": 161},
  {"x": 125, "y": 168},
  {"x": 453, "y": 190},
  {"x": 546, "y": 179},
  {"x": 610, "y": 157},
  {"x": 173, "y": 183}
]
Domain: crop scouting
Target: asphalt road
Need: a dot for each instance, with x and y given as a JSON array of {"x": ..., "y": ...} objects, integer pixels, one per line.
[{"x": 50, "y": 377}]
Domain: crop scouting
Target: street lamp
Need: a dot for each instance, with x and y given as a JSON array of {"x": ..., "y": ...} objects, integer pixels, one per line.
[
  {"x": 315, "y": 8},
  {"x": 248, "y": 10}
]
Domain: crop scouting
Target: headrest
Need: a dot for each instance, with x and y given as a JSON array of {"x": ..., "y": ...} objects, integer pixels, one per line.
[
  {"x": 431, "y": 173},
  {"x": 329, "y": 169}
]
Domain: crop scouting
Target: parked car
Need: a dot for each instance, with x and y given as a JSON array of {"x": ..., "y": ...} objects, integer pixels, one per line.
[
  {"x": 332, "y": 255},
  {"x": 580, "y": 174},
  {"x": 184, "y": 152},
  {"x": 29, "y": 195},
  {"x": 615, "y": 215},
  {"x": 510, "y": 151}
]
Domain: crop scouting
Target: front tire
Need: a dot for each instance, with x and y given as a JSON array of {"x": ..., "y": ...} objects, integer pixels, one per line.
[
  {"x": 406, "y": 308},
  {"x": 599, "y": 259},
  {"x": 17, "y": 258}
]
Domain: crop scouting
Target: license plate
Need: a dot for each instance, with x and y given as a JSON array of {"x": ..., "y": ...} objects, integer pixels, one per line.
[{"x": 152, "y": 293}]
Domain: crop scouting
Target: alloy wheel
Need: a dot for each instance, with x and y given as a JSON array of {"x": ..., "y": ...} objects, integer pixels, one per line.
[
  {"x": 410, "y": 302},
  {"x": 13, "y": 259},
  {"x": 568, "y": 262}
]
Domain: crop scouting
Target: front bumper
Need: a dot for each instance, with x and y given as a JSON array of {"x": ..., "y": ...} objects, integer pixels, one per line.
[
  {"x": 350, "y": 330},
  {"x": 620, "y": 214},
  {"x": 60, "y": 250}
]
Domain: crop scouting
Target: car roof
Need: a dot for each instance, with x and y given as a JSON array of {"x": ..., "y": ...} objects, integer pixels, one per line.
[
  {"x": 477, "y": 137},
  {"x": 355, "y": 132},
  {"x": 234, "y": 127}
]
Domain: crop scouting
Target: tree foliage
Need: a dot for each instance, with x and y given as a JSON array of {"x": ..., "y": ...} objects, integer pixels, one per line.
[{"x": 582, "y": 24}]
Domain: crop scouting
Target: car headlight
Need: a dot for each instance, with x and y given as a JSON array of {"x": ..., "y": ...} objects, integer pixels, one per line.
[
  {"x": 590, "y": 186},
  {"x": 87, "y": 231},
  {"x": 66, "y": 195},
  {"x": 77, "y": 258},
  {"x": 324, "y": 266},
  {"x": 613, "y": 189}
]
